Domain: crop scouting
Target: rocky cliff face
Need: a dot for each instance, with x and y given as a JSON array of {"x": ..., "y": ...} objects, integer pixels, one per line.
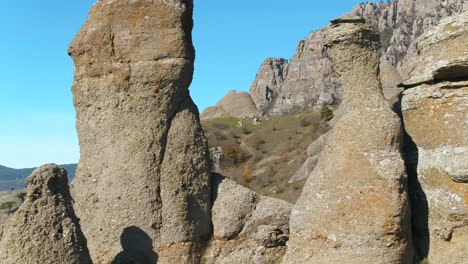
[
  {"x": 401, "y": 22},
  {"x": 310, "y": 78},
  {"x": 354, "y": 206},
  {"x": 45, "y": 228},
  {"x": 143, "y": 175},
  {"x": 435, "y": 107}
]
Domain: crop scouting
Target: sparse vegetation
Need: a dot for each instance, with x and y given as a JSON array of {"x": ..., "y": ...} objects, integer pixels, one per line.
[
  {"x": 264, "y": 156},
  {"x": 325, "y": 112},
  {"x": 7, "y": 205}
]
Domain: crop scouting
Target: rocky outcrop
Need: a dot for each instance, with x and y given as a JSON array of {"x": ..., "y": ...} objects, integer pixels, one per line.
[
  {"x": 401, "y": 22},
  {"x": 306, "y": 81},
  {"x": 144, "y": 168},
  {"x": 247, "y": 228},
  {"x": 234, "y": 104},
  {"x": 310, "y": 79},
  {"x": 354, "y": 206},
  {"x": 45, "y": 228},
  {"x": 269, "y": 79},
  {"x": 435, "y": 107}
]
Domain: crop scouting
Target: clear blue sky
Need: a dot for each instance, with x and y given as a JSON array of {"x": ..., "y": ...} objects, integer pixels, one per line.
[{"x": 232, "y": 38}]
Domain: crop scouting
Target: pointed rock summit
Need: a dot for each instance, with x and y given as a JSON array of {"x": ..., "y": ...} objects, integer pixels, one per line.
[
  {"x": 144, "y": 159},
  {"x": 45, "y": 228}
]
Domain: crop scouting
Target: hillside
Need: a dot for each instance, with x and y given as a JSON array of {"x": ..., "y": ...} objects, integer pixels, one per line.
[
  {"x": 263, "y": 155},
  {"x": 16, "y": 178}
]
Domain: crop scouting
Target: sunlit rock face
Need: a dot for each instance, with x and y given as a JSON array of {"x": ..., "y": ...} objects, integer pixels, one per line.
[
  {"x": 144, "y": 168},
  {"x": 354, "y": 207},
  {"x": 435, "y": 107}
]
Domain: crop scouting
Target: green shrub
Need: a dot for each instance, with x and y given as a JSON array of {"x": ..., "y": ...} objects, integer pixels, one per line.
[
  {"x": 246, "y": 131},
  {"x": 220, "y": 126},
  {"x": 325, "y": 112},
  {"x": 257, "y": 142},
  {"x": 219, "y": 135},
  {"x": 233, "y": 154},
  {"x": 7, "y": 205},
  {"x": 305, "y": 122}
]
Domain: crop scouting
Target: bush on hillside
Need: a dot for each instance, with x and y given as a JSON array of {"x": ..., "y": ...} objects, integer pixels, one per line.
[{"x": 325, "y": 112}]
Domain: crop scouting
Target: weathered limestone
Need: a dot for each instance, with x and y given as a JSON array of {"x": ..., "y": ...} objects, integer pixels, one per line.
[
  {"x": 354, "y": 206},
  {"x": 45, "y": 228},
  {"x": 144, "y": 160},
  {"x": 435, "y": 108},
  {"x": 248, "y": 228}
]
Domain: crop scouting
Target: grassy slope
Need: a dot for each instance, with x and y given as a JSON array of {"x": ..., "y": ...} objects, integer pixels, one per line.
[{"x": 263, "y": 157}]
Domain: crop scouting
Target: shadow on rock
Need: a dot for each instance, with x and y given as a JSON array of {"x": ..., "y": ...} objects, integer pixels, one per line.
[
  {"x": 137, "y": 248},
  {"x": 418, "y": 200}
]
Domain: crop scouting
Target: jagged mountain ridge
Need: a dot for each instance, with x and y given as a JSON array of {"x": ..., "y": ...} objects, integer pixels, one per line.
[{"x": 309, "y": 78}]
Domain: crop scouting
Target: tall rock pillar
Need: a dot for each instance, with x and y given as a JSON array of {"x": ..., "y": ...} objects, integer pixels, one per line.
[
  {"x": 354, "y": 206},
  {"x": 142, "y": 187}
]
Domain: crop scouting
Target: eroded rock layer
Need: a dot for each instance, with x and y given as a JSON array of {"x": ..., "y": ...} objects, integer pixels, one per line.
[
  {"x": 144, "y": 171},
  {"x": 45, "y": 228},
  {"x": 354, "y": 206},
  {"x": 435, "y": 111}
]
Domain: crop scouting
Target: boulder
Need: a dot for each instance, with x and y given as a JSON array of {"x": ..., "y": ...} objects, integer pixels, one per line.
[
  {"x": 435, "y": 107},
  {"x": 348, "y": 18},
  {"x": 144, "y": 163},
  {"x": 45, "y": 228},
  {"x": 354, "y": 206},
  {"x": 248, "y": 228}
]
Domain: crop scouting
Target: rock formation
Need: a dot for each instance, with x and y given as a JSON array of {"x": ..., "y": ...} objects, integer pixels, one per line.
[
  {"x": 247, "y": 228},
  {"x": 310, "y": 78},
  {"x": 307, "y": 80},
  {"x": 235, "y": 104},
  {"x": 354, "y": 206},
  {"x": 435, "y": 107},
  {"x": 269, "y": 78},
  {"x": 45, "y": 228},
  {"x": 144, "y": 168},
  {"x": 10, "y": 201},
  {"x": 401, "y": 22}
]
